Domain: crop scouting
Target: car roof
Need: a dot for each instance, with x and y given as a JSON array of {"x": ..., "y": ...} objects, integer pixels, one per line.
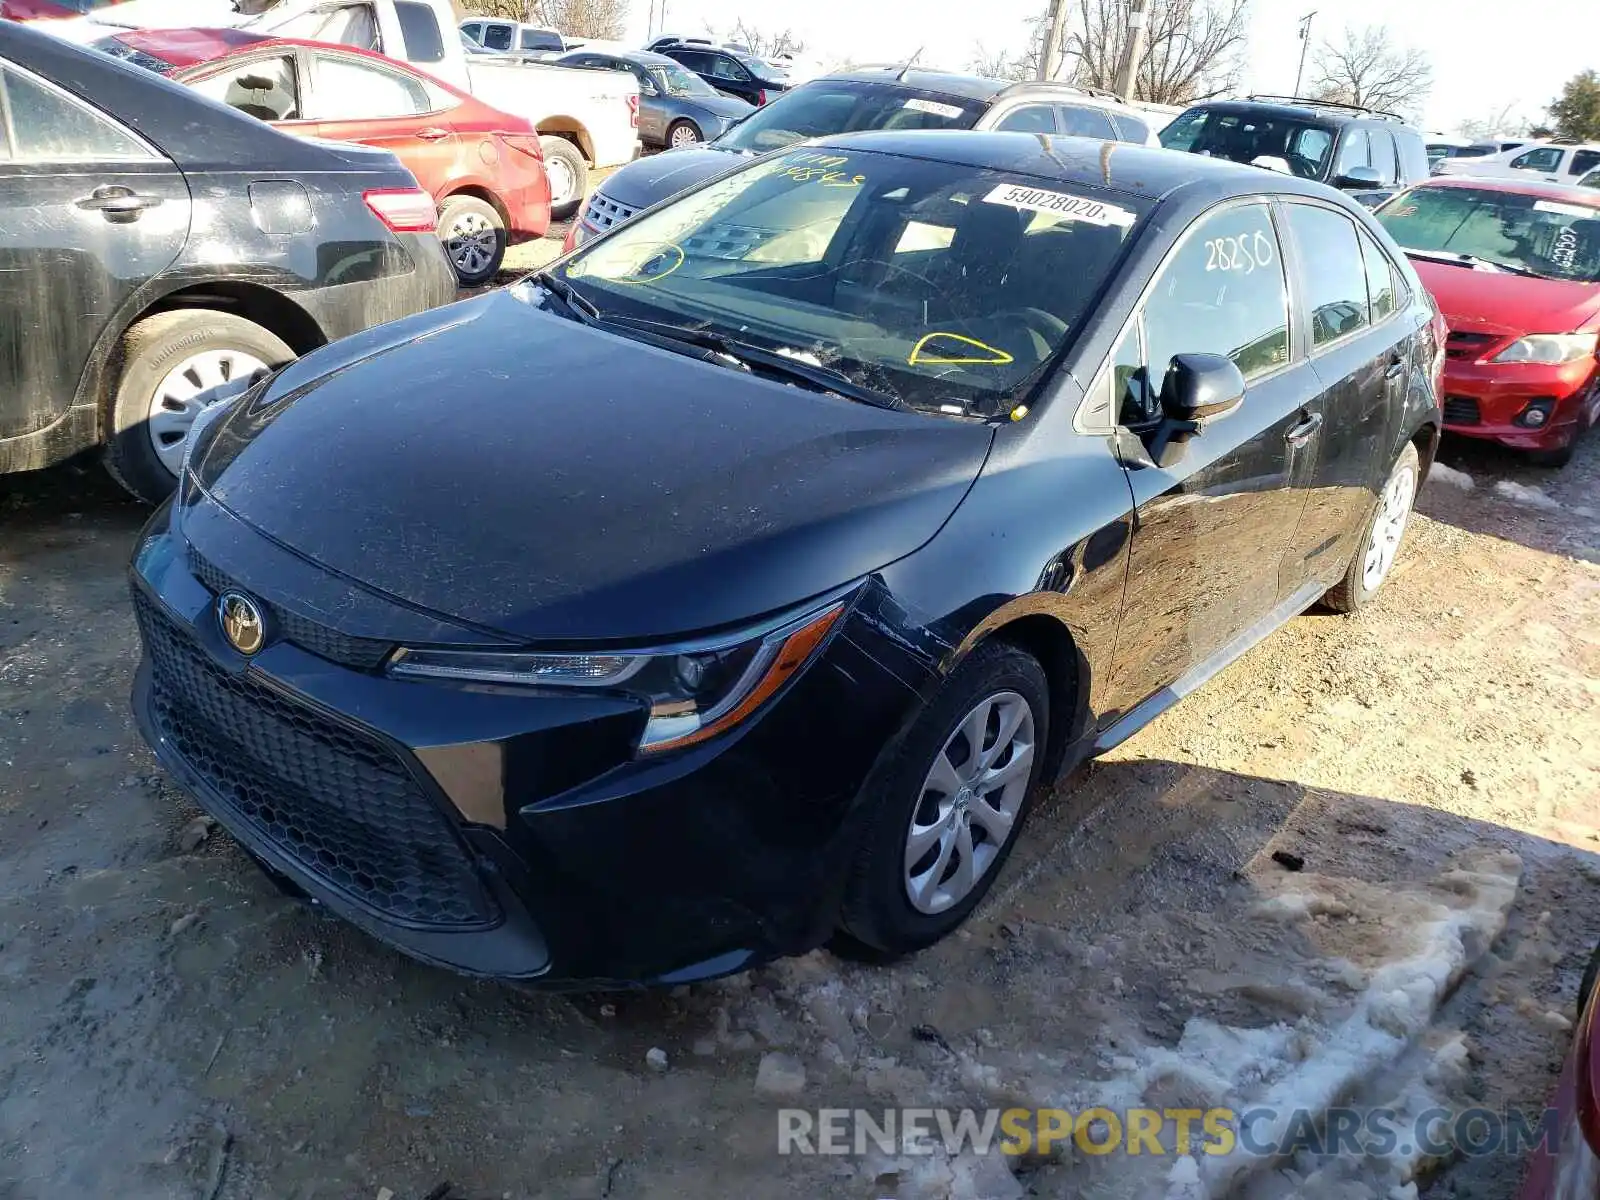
[
  {"x": 1570, "y": 194},
  {"x": 644, "y": 58},
  {"x": 1301, "y": 112},
  {"x": 1145, "y": 171},
  {"x": 949, "y": 83}
]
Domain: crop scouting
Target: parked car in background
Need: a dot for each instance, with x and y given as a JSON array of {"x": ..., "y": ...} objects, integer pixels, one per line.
[
  {"x": 162, "y": 250},
  {"x": 741, "y": 75},
  {"x": 1080, "y": 391},
  {"x": 1567, "y": 1166},
  {"x": 1591, "y": 180},
  {"x": 890, "y": 98},
  {"x": 1515, "y": 267},
  {"x": 1367, "y": 153},
  {"x": 583, "y": 119},
  {"x": 48, "y": 10},
  {"x": 1553, "y": 162},
  {"x": 513, "y": 36},
  {"x": 1439, "y": 148},
  {"x": 676, "y": 107},
  {"x": 482, "y": 167}
]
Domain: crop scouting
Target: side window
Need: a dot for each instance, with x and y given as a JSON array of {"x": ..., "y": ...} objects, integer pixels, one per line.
[
  {"x": 1355, "y": 150},
  {"x": 1380, "y": 279},
  {"x": 497, "y": 37},
  {"x": 1546, "y": 158},
  {"x": 1413, "y": 156},
  {"x": 1334, "y": 271},
  {"x": 1136, "y": 400},
  {"x": 1131, "y": 129},
  {"x": 1086, "y": 122},
  {"x": 264, "y": 88},
  {"x": 474, "y": 30},
  {"x": 43, "y": 125},
  {"x": 724, "y": 67},
  {"x": 348, "y": 25},
  {"x": 1583, "y": 161},
  {"x": 1383, "y": 160},
  {"x": 1030, "y": 118},
  {"x": 419, "y": 29},
  {"x": 1223, "y": 293},
  {"x": 346, "y": 90},
  {"x": 695, "y": 60}
]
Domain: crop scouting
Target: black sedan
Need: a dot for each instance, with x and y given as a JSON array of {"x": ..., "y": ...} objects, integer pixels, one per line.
[
  {"x": 824, "y": 514},
  {"x": 742, "y": 76},
  {"x": 160, "y": 250},
  {"x": 676, "y": 107}
]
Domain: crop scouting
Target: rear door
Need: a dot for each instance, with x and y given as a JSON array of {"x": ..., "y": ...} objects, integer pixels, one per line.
[
  {"x": 1579, "y": 164},
  {"x": 1212, "y": 528},
  {"x": 89, "y": 212},
  {"x": 1029, "y": 118},
  {"x": 356, "y": 99}
]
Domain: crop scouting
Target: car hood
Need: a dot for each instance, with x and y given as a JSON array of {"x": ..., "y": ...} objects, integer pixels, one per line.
[
  {"x": 1495, "y": 302},
  {"x": 729, "y": 108},
  {"x": 642, "y": 183},
  {"x": 573, "y": 484}
]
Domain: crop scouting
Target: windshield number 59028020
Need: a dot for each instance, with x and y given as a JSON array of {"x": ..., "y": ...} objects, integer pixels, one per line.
[{"x": 1245, "y": 252}]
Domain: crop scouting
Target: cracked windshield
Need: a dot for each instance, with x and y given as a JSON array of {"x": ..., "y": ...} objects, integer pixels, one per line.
[{"x": 925, "y": 285}]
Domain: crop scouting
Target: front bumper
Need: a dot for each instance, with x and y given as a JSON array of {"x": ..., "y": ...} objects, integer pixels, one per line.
[
  {"x": 493, "y": 831},
  {"x": 1490, "y": 400}
]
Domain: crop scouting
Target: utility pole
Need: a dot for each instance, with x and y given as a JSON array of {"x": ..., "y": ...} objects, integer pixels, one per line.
[
  {"x": 1133, "y": 56},
  {"x": 1305, "y": 41},
  {"x": 1055, "y": 28}
]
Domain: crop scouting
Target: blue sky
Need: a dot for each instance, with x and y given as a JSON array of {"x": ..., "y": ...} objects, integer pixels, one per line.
[{"x": 1483, "y": 58}]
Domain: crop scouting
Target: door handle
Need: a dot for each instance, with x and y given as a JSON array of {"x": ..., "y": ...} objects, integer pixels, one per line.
[
  {"x": 432, "y": 133},
  {"x": 118, "y": 203},
  {"x": 1300, "y": 434},
  {"x": 1396, "y": 367}
]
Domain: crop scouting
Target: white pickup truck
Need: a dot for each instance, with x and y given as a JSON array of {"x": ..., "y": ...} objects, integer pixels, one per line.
[{"x": 588, "y": 118}]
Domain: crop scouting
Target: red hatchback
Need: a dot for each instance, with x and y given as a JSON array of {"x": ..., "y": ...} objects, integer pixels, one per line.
[
  {"x": 1515, "y": 268},
  {"x": 482, "y": 166}
]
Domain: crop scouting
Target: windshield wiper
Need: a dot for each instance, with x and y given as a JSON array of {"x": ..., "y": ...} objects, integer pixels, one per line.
[
  {"x": 1472, "y": 260},
  {"x": 819, "y": 378},
  {"x": 578, "y": 304}
]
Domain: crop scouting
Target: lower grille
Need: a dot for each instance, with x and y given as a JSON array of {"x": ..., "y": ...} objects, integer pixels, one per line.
[
  {"x": 338, "y": 802},
  {"x": 1467, "y": 345},
  {"x": 604, "y": 212},
  {"x": 1462, "y": 410}
]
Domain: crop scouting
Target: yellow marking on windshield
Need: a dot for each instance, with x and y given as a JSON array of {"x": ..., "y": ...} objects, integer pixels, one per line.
[
  {"x": 810, "y": 167},
  {"x": 918, "y": 357},
  {"x": 666, "y": 249}
]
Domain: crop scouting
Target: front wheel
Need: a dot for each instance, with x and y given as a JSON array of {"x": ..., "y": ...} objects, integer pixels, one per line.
[
  {"x": 1380, "y": 543},
  {"x": 474, "y": 238},
  {"x": 683, "y": 133},
  {"x": 568, "y": 173},
  {"x": 951, "y": 803}
]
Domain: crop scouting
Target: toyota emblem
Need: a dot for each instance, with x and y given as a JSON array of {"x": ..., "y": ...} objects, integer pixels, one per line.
[{"x": 241, "y": 622}]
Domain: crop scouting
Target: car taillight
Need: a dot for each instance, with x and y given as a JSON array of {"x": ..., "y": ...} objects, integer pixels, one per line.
[
  {"x": 633, "y": 111},
  {"x": 404, "y": 210},
  {"x": 527, "y": 143},
  {"x": 761, "y": 97}
]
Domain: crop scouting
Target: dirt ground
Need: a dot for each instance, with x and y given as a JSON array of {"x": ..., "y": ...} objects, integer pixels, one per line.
[{"x": 172, "y": 1027}]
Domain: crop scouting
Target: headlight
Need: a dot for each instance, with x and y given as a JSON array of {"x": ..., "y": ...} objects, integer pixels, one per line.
[
  {"x": 694, "y": 692},
  {"x": 1549, "y": 348}
]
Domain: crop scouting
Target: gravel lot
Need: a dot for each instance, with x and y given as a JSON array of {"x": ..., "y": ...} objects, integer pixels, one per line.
[{"x": 171, "y": 1027}]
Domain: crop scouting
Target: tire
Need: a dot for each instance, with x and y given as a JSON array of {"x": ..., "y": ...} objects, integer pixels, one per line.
[
  {"x": 1365, "y": 576},
  {"x": 156, "y": 398},
  {"x": 682, "y": 133},
  {"x": 879, "y": 910},
  {"x": 474, "y": 237},
  {"x": 568, "y": 173}
]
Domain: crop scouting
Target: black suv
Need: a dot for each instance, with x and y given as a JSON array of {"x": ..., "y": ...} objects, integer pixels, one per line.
[
  {"x": 160, "y": 251},
  {"x": 1366, "y": 152},
  {"x": 745, "y": 76}
]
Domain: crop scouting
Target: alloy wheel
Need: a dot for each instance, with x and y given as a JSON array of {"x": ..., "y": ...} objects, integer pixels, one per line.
[
  {"x": 1388, "y": 527},
  {"x": 563, "y": 183},
  {"x": 970, "y": 801},
  {"x": 195, "y": 384},
  {"x": 685, "y": 135}
]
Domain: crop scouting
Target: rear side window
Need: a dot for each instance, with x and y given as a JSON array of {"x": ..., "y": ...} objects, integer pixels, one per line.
[
  {"x": 497, "y": 37},
  {"x": 44, "y": 125},
  {"x": 1030, "y": 118},
  {"x": 346, "y": 90},
  {"x": 1383, "y": 159},
  {"x": 1130, "y": 129},
  {"x": 1413, "y": 156},
  {"x": 1583, "y": 161},
  {"x": 1086, "y": 122},
  {"x": 1381, "y": 294},
  {"x": 419, "y": 29},
  {"x": 695, "y": 60},
  {"x": 1334, "y": 272}
]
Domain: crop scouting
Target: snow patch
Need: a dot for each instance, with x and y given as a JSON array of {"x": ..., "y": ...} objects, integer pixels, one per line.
[
  {"x": 1451, "y": 477},
  {"x": 1519, "y": 493}
]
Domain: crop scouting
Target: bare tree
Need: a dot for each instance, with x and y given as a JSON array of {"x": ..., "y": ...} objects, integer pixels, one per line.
[
  {"x": 765, "y": 43},
  {"x": 1368, "y": 69},
  {"x": 1505, "y": 120},
  {"x": 506, "y": 10},
  {"x": 579, "y": 18},
  {"x": 1000, "y": 64},
  {"x": 1193, "y": 49}
]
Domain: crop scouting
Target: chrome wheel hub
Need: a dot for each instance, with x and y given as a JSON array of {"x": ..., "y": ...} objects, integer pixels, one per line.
[
  {"x": 195, "y": 384},
  {"x": 684, "y": 135},
  {"x": 471, "y": 242},
  {"x": 969, "y": 803},
  {"x": 1388, "y": 527},
  {"x": 563, "y": 184}
]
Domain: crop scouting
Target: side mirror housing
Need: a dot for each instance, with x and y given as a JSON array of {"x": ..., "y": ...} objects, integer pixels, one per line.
[
  {"x": 1359, "y": 179},
  {"x": 1197, "y": 388}
]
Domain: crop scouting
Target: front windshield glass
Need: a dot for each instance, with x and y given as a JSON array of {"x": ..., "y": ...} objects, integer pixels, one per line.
[
  {"x": 1245, "y": 137},
  {"x": 831, "y": 107},
  {"x": 940, "y": 287},
  {"x": 1555, "y": 238},
  {"x": 675, "y": 81}
]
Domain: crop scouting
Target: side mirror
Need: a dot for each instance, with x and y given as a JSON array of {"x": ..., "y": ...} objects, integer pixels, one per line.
[
  {"x": 1197, "y": 388},
  {"x": 1359, "y": 178}
]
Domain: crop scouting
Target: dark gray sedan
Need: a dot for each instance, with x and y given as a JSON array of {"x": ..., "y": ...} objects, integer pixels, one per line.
[{"x": 676, "y": 106}]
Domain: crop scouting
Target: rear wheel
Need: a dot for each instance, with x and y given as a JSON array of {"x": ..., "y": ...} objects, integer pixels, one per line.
[
  {"x": 474, "y": 237},
  {"x": 1381, "y": 542},
  {"x": 174, "y": 365},
  {"x": 568, "y": 173},
  {"x": 683, "y": 133}
]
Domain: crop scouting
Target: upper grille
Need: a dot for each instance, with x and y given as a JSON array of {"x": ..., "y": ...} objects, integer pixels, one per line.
[
  {"x": 1462, "y": 410},
  {"x": 358, "y": 653},
  {"x": 1467, "y": 345},
  {"x": 604, "y": 212},
  {"x": 334, "y": 799}
]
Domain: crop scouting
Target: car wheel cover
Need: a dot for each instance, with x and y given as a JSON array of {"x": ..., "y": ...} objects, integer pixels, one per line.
[
  {"x": 196, "y": 383},
  {"x": 685, "y": 135},
  {"x": 471, "y": 241},
  {"x": 969, "y": 803},
  {"x": 1389, "y": 526},
  {"x": 563, "y": 183}
]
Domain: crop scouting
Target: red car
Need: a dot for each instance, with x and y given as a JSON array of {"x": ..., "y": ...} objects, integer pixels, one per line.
[
  {"x": 48, "y": 10},
  {"x": 1569, "y": 1168},
  {"x": 482, "y": 166},
  {"x": 1515, "y": 268}
]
